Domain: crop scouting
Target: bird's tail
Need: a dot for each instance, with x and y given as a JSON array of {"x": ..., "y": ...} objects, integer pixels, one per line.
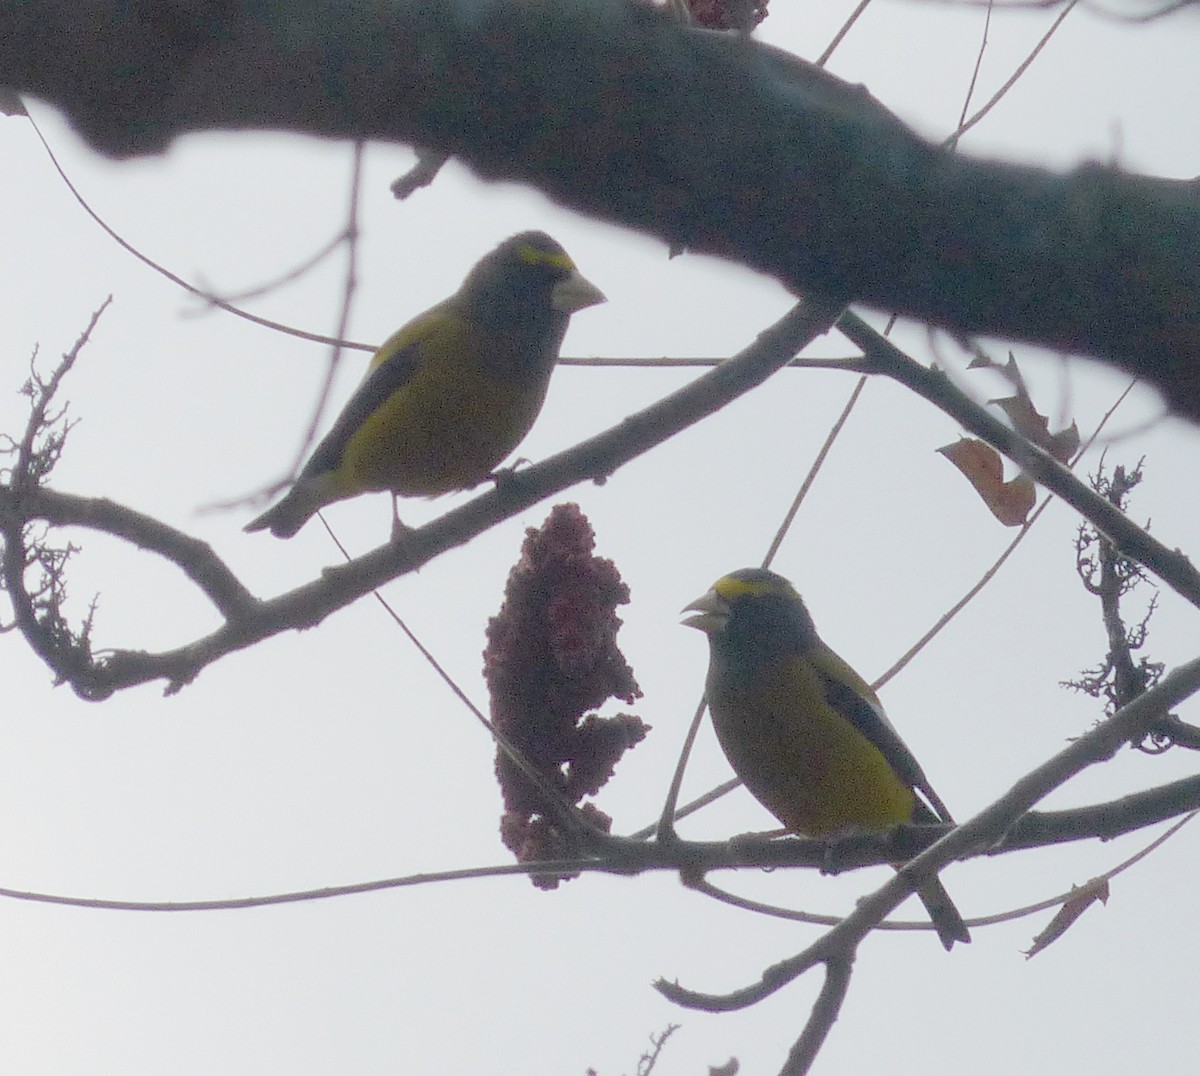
[
  {"x": 946, "y": 919},
  {"x": 285, "y": 518}
]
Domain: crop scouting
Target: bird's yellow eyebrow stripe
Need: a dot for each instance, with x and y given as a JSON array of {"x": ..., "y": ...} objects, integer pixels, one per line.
[
  {"x": 731, "y": 587},
  {"x": 532, "y": 255}
]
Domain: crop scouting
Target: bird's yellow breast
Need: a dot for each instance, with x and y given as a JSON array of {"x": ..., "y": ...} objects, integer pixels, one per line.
[
  {"x": 446, "y": 428},
  {"x": 801, "y": 758}
]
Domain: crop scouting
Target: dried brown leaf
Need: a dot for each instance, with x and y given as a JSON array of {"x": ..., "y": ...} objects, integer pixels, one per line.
[
  {"x": 1084, "y": 897},
  {"x": 1011, "y": 501}
]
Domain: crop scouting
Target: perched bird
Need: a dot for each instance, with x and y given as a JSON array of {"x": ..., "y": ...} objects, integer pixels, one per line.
[
  {"x": 450, "y": 395},
  {"x": 804, "y": 732}
]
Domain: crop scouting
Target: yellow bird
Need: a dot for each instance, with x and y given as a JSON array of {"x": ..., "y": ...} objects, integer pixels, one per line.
[
  {"x": 804, "y": 732},
  {"x": 450, "y": 395}
]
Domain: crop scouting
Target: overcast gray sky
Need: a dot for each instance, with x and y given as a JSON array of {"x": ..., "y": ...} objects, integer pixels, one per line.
[{"x": 336, "y": 756}]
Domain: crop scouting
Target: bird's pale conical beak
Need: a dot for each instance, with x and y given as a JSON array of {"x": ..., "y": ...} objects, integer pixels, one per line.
[
  {"x": 575, "y": 293},
  {"x": 711, "y": 613}
]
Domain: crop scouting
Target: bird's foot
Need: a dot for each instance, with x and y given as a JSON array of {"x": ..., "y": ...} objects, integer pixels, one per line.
[
  {"x": 503, "y": 475},
  {"x": 400, "y": 529},
  {"x": 750, "y": 841}
]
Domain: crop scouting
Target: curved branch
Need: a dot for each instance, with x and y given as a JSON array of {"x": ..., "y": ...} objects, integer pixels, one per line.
[
  {"x": 249, "y": 620},
  {"x": 713, "y": 142},
  {"x": 193, "y": 557}
]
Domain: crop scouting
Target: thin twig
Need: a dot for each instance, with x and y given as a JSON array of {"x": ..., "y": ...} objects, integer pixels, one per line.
[
  {"x": 952, "y": 141},
  {"x": 834, "y": 431},
  {"x": 567, "y": 813},
  {"x": 1012, "y": 79},
  {"x": 665, "y": 830},
  {"x": 1172, "y": 566},
  {"x": 174, "y": 278},
  {"x": 1108, "y": 875},
  {"x": 350, "y": 236},
  {"x": 820, "y": 1021},
  {"x": 843, "y": 30}
]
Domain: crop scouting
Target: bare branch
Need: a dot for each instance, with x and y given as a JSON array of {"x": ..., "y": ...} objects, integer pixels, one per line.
[
  {"x": 1102, "y": 820},
  {"x": 38, "y": 611},
  {"x": 820, "y": 1020},
  {"x": 249, "y": 620},
  {"x": 178, "y": 281},
  {"x": 1170, "y": 565},
  {"x": 194, "y": 557}
]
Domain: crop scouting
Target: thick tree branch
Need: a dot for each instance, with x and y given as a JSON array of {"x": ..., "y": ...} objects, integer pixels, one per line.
[{"x": 714, "y": 142}]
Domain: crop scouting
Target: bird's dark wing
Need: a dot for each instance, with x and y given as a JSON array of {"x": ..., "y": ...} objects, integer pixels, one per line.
[
  {"x": 852, "y": 697},
  {"x": 392, "y": 367}
]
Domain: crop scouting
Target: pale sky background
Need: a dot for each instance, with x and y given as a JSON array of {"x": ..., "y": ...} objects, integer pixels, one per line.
[{"x": 336, "y": 756}]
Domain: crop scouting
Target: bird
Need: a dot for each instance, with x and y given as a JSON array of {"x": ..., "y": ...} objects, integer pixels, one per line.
[
  {"x": 452, "y": 393},
  {"x": 804, "y": 732}
]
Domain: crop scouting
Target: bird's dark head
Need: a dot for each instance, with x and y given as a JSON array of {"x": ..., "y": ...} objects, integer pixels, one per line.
[
  {"x": 528, "y": 276},
  {"x": 753, "y": 609}
]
